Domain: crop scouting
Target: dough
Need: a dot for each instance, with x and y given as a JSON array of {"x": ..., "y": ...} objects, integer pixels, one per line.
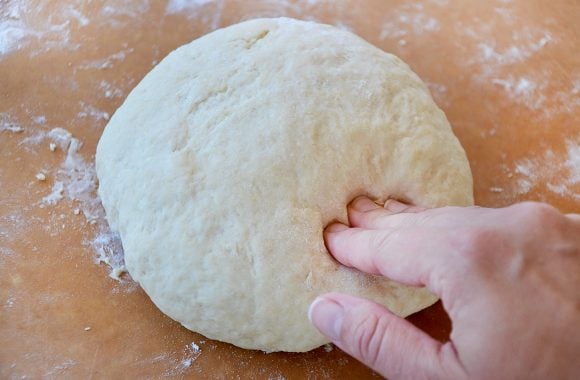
[{"x": 225, "y": 163}]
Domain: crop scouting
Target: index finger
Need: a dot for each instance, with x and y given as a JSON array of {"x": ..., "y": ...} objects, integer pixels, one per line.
[{"x": 411, "y": 256}]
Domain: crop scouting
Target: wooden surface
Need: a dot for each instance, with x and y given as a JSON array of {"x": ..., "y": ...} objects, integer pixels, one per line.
[{"x": 507, "y": 74}]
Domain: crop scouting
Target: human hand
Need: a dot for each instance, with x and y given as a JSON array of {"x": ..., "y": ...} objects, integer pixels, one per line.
[{"x": 508, "y": 278}]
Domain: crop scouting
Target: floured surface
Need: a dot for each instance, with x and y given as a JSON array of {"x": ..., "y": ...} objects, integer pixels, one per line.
[{"x": 503, "y": 71}]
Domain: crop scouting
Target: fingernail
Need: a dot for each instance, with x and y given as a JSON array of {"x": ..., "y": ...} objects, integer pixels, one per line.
[
  {"x": 395, "y": 206},
  {"x": 336, "y": 227},
  {"x": 327, "y": 316},
  {"x": 363, "y": 204}
]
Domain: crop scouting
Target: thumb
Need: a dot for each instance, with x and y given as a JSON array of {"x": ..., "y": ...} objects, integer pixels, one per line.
[{"x": 383, "y": 341}]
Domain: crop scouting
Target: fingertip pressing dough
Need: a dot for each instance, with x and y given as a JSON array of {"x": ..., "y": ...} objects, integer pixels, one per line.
[{"x": 225, "y": 163}]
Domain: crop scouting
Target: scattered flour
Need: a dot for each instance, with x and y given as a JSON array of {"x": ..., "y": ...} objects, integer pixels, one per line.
[
  {"x": 55, "y": 195},
  {"x": 523, "y": 90},
  {"x": 209, "y": 12},
  {"x": 106, "y": 63},
  {"x": 109, "y": 250},
  {"x": 60, "y": 369},
  {"x": 12, "y": 29},
  {"x": 41, "y": 119},
  {"x": 110, "y": 91},
  {"x": 117, "y": 14},
  {"x": 50, "y": 23},
  {"x": 506, "y": 63},
  {"x": 8, "y": 124},
  {"x": 573, "y": 162},
  {"x": 406, "y": 19},
  {"x": 9, "y": 302},
  {"x": 26, "y": 21},
  {"x": 526, "y": 43},
  {"x": 547, "y": 170},
  {"x": 75, "y": 181},
  {"x": 12, "y": 227},
  {"x": 60, "y": 137},
  {"x": 5, "y": 251},
  {"x": 190, "y": 6},
  {"x": 499, "y": 61},
  {"x": 178, "y": 362},
  {"x": 191, "y": 352},
  {"x": 305, "y": 9},
  {"x": 92, "y": 112}
]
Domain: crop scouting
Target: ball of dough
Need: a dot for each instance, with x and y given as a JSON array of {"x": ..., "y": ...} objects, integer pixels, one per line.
[{"x": 224, "y": 165}]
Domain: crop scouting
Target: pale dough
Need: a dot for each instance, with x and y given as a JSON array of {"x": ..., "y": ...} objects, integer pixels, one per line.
[{"x": 225, "y": 163}]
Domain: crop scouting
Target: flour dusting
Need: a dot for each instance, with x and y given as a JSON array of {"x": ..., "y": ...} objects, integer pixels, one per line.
[
  {"x": 573, "y": 162},
  {"x": 56, "y": 194},
  {"x": 505, "y": 63},
  {"x": 176, "y": 6},
  {"x": 25, "y": 22},
  {"x": 118, "y": 13},
  {"x": 8, "y": 124},
  {"x": 109, "y": 250},
  {"x": 90, "y": 111},
  {"x": 526, "y": 43},
  {"x": 500, "y": 60},
  {"x": 178, "y": 362},
  {"x": 523, "y": 90},
  {"x": 209, "y": 12},
  {"x": 51, "y": 24},
  {"x": 59, "y": 136},
  {"x": 409, "y": 18},
  {"x": 75, "y": 181},
  {"x": 107, "y": 62},
  {"x": 557, "y": 175},
  {"x": 60, "y": 369},
  {"x": 110, "y": 91}
]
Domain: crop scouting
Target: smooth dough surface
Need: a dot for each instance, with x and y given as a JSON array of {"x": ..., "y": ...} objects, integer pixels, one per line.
[{"x": 225, "y": 163}]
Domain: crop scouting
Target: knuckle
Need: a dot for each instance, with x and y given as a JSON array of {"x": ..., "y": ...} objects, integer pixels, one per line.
[
  {"x": 538, "y": 223},
  {"x": 381, "y": 241},
  {"x": 543, "y": 224},
  {"x": 371, "y": 217},
  {"x": 368, "y": 333},
  {"x": 534, "y": 213}
]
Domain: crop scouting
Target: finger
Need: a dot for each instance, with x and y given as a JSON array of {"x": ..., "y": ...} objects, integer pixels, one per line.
[
  {"x": 383, "y": 341},
  {"x": 396, "y": 207},
  {"x": 364, "y": 213},
  {"x": 412, "y": 256},
  {"x": 574, "y": 217}
]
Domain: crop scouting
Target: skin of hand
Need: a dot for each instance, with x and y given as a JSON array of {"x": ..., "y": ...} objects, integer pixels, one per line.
[{"x": 509, "y": 279}]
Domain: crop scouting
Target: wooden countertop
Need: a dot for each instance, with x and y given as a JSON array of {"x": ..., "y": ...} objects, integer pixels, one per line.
[{"x": 507, "y": 74}]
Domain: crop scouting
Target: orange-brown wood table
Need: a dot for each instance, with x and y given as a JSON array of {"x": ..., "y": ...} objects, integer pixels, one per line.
[{"x": 507, "y": 74}]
